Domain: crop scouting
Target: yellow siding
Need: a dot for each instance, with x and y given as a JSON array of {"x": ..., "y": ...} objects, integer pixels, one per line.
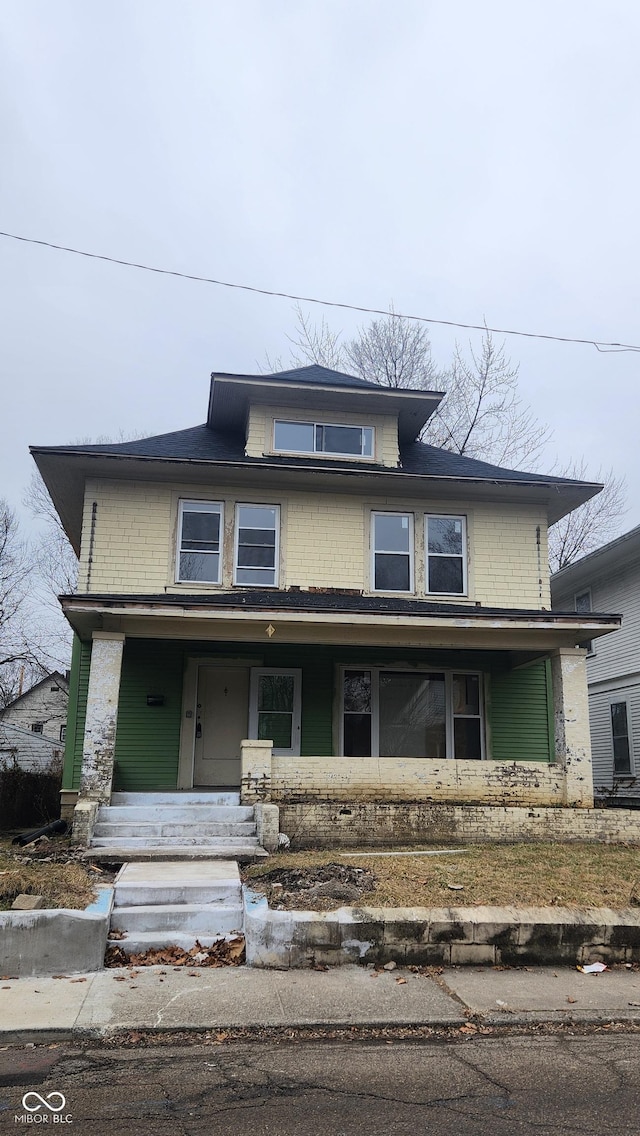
[
  {"x": 324, "y": 541},
  {"x": 260, "y": 430}
]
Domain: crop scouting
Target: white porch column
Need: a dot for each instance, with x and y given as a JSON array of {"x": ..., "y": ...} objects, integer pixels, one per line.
[
  {"x": 98, "y": 750},
  {"x": 571, "y": 718}
]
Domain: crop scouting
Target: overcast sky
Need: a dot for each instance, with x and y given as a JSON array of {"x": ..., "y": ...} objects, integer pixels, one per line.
[{"x": 463, "y": 160}]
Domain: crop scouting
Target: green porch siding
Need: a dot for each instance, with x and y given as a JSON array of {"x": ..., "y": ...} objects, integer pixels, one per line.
[
  {"x": 520, "y": 710},
  {"x": 148, "y": 737},
  {"x": 78, "y": 687}
]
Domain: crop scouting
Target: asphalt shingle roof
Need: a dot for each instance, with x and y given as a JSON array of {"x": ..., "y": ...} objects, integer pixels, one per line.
[{"x": 314, "y": 374}]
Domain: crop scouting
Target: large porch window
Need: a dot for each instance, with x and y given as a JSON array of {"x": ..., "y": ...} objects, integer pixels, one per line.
[{"x": 396, "y": 713}]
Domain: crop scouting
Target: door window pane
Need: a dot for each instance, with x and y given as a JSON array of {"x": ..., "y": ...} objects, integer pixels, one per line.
[
  {"x": 466, "y": 736},
  {"x": 620, "y": 732},
  {"x": 412, "y": 715},
  {"x": 466, "y": 694},
  {"x": 276, "y": 692},
  {"x": 277, "y": 728},
  {"x": 199, "y": 553},
  {"x": 357, "y": 713},
  {"x": 357, "y": 692},
  {"x": 256, "y": 561},
  {"x": 357, "y": 735}
]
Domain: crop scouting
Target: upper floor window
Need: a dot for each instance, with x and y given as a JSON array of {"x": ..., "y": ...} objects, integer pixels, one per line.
[
  {"x": 37, "y": 727},
  {"x": 392, "y": 552},
  {"x": 257, "y": 540},
  {"x": 323, "y": 438},
  {"x": 446, "y": 545},
  {"x": 200, "y": 529}
]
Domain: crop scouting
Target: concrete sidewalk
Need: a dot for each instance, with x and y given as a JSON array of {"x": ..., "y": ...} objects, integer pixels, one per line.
[{"x": 160, "y": 998}]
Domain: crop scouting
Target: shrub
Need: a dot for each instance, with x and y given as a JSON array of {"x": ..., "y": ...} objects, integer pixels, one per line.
[{"x": 29, "y": 797}]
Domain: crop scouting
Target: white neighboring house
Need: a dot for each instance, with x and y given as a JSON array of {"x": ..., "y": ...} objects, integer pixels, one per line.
[
  {"x": 33, "y": 726},
  {"x": 609, "y": 580}
]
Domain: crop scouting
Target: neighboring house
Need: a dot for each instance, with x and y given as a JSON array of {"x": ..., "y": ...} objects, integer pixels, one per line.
[
  {"x": 609, "y": 580},
  {"x": 301, "y": 601},
  {"x": 33, "y": 726}
]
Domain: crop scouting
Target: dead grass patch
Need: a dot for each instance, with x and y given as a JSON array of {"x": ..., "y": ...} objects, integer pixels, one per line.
[
  {"x": 541, "y": 875},
  {"x": 61, "y": 885}
]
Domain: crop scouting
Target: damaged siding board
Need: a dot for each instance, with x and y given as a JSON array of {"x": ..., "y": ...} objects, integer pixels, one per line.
[{"x": 519, "y": 714}]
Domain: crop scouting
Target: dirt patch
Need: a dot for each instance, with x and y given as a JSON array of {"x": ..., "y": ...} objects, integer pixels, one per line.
[{"x": 323, "y": 887}]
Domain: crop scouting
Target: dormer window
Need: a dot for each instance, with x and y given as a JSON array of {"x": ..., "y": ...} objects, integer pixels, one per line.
[{"x": 323, "y": 438}]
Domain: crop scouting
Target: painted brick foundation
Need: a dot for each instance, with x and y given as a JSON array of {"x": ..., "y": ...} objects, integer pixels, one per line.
[{"x": 344, "y": 824}]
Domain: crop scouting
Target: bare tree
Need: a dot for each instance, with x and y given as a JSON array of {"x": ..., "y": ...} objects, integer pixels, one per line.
[
  {"x": 21, "y": 653},
  {"x": 481, "y": 415},
  {"x": 590, "y": 525},
  {"x": 54, "y": 558}
]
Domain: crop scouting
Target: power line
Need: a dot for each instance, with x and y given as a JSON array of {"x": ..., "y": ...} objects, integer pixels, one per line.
[{"x": 599, "y": 344}]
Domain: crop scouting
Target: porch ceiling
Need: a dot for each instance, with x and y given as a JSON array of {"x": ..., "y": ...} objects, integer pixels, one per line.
[{"x": 191, "y": 618}]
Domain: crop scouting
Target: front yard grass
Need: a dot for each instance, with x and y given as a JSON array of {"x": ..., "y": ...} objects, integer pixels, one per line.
[
  {"x": 539, "y": 875},
  {"x": 60, "y": 884}
]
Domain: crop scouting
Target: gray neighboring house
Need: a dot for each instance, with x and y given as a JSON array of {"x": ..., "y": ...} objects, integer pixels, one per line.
[
  {"x": 33, "y": 726},
  {"x": 609, "y": 580}
]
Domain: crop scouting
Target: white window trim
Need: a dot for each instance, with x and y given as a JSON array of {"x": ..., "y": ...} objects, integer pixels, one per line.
[
  {"x": 236, "y": 541},
  {"x": 327, "y": 453},
  {"x": 465, "y": 554},
  {"x": 411, "y": 553},
  {"x": 449, "y": 714},
  {"x": 216, "y": 506},
  {"x": 296, "y": 718},
  {"x": 613, "y": 701}
]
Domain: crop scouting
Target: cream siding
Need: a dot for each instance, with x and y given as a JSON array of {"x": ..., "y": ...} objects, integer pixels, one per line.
[
  {"x": 260, "y": 430},
  {"x": 130, "y": 538}
]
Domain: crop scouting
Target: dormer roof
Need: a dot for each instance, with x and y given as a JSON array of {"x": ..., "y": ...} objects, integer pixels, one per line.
[{"x": 231, "y": 396}]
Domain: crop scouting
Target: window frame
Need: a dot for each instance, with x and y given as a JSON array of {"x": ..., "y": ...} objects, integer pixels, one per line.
[
  {"x": 327, "y": 453},
  {"x": 37, "y": 727},
  {"x": 217, "y": 506},
  {"x": 586, "y": 643},
  {"x": 375, "y": 552},
  {"x": 630, "y": 772},
  {"x": 256, "y": 673},
  {"x": 464, "y": 556},
  {"x": 450, "y": 717},
  {"x": 236, "y": 543}
]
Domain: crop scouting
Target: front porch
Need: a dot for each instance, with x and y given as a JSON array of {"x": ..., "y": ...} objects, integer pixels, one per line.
[{"x": 432, "y": 709}]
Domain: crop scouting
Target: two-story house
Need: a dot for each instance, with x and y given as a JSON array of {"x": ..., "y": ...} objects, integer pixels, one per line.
[
  {"x": 609, "y": 578},
  {"x": 301, "y": 602},
  {"x": 33, "y": 725}
]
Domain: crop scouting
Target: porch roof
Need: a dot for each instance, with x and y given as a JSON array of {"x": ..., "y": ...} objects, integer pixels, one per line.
[{"x": 332, "y": 616}]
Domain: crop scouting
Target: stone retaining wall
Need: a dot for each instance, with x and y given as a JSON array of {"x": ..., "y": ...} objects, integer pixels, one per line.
[{"x": 458, "y": 936}]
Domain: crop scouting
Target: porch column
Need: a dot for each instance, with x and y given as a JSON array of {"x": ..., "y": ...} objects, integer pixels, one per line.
[
  {"x": 255, "y": 784},
  {"x": 98, "y": 750},
  {"x": 571, "y": 719}
]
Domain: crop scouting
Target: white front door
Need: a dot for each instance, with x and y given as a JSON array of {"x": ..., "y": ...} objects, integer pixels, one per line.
[
  {"x": 275, "y": 709},
  {"x": 221, "y": 724}
]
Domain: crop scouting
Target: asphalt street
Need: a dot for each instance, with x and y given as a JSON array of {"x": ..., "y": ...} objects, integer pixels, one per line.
[{"x": 479, "y": 1086}]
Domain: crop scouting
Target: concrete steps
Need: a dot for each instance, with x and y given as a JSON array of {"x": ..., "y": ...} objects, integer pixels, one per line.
[
  {"x": 175, "y": 826},
  {"x": 174, "y": 903}
]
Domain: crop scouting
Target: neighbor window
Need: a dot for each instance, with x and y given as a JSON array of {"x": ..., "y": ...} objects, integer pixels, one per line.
[
  {"x": 37, "y": 727},
  {"x": 63, "y": 733},
  {"x": 200, "y": 528},
  {"x": 446, "y": 555},
  {"x": 400, "y": 713},
  {"x": 322, "y": 438},
  {"x": 620, "y": 736},
  {"x": 583, "y": 605},
  {"x": 392, "y": 552},
  {"x": 257, "y": 531}
]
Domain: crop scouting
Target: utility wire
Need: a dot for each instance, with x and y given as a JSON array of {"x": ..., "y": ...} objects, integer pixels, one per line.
[{"x": 599, "y": 345}]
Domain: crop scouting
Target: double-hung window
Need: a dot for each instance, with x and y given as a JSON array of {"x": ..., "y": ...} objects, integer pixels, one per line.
[
  {"x": 446, "y": 548},
  {"x": 323, "y": 438},
  {"x": 620, "y": 738},
  {"x": 200, "y": 533},
  {"x": 392, "y": 552},
  {"x": 257, "y": 540}
]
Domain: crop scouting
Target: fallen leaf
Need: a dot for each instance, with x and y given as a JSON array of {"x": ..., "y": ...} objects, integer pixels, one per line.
[
  {"x": 401, "y": 981},
  {"x": 59, "y": 975},
  {"x": 119, "y": 978},
  {"x": 569, "y": 999},
  {"x": 78, "y": 980}
]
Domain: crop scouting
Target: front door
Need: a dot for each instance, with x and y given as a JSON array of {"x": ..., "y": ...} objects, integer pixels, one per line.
[{"x": 221, "y": 724}]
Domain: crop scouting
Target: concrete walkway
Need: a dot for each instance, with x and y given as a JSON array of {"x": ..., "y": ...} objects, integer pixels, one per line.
[{"x": 160, "y": 998}]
